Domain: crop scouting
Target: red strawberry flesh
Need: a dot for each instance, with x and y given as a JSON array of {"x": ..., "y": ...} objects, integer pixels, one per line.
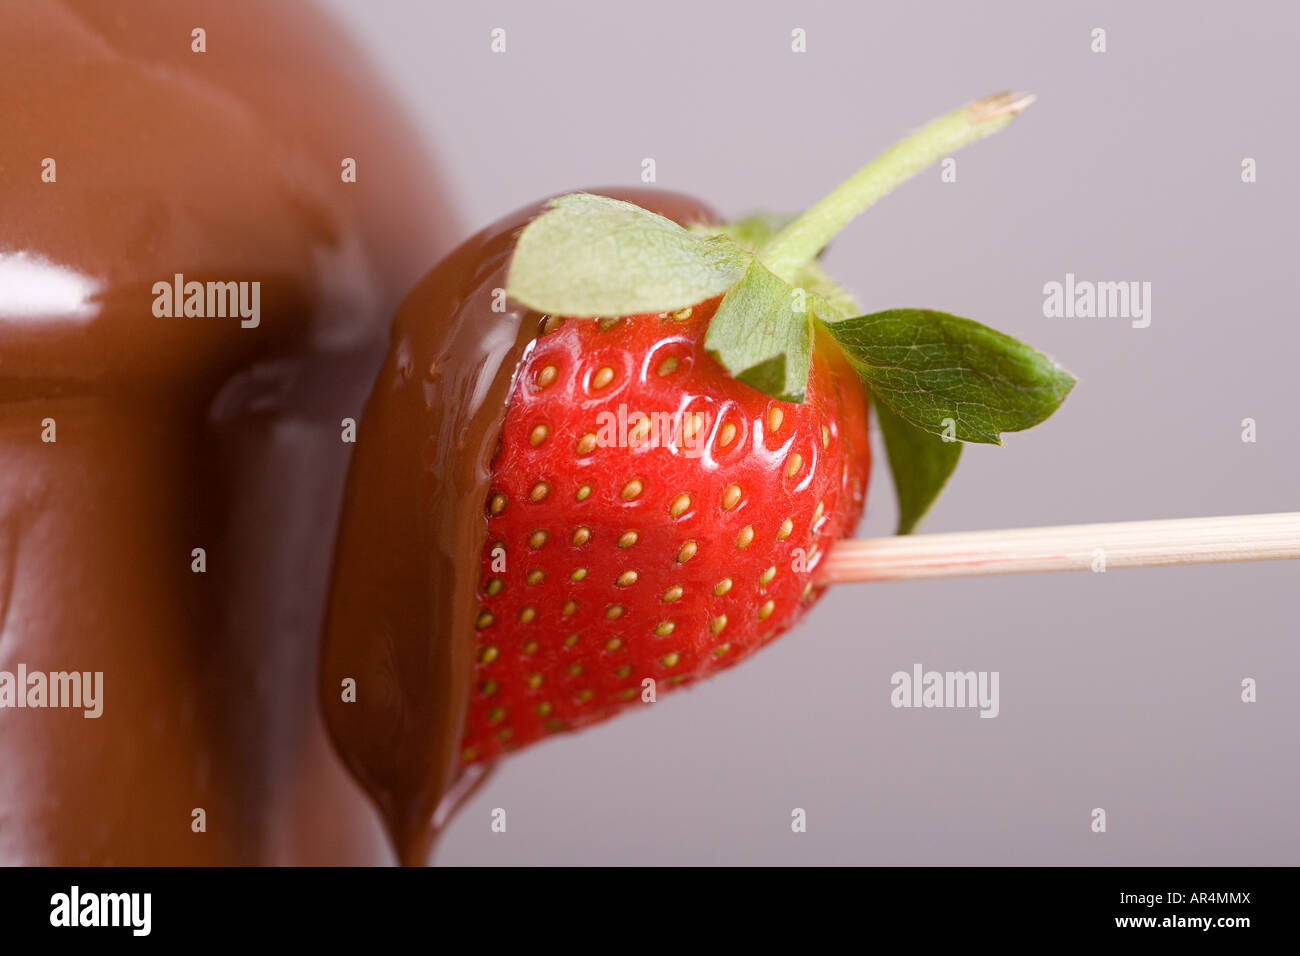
[{"x": 671, "y": 550}]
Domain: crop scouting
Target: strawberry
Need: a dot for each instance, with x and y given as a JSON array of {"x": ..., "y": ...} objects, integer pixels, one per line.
[
  {"x": 667, "y": 545},
  {"x": 686, "y": 438},
  {"x": 682, "y": 440}
]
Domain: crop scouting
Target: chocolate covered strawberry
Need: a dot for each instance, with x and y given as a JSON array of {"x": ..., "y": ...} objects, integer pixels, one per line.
[
  {"x": 610, "y": 444},
  {"x": 687, "y": 437}
]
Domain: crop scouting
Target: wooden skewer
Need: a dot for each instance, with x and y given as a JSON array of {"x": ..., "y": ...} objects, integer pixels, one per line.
[{"x": 1081, "y": 547}]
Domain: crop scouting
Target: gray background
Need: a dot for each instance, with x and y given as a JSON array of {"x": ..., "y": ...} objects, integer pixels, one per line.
[{"x": 1118, "y": 690}]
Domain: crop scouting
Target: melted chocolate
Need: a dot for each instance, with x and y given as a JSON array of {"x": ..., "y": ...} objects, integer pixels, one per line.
[
  {"x": 402, "y": 601},
  {"x": 182, "y": 433}
]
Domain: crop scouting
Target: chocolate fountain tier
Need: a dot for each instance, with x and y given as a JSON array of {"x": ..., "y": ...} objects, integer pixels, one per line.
[{"x": 131, "y": 438}]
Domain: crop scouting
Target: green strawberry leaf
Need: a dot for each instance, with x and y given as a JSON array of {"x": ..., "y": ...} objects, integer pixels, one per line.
[
  {"x": 594, "y": 256},
  {"x": 920, "y": 463},
  {"x": 951, "y": 376},
  {"x": 762, "y": 334}
]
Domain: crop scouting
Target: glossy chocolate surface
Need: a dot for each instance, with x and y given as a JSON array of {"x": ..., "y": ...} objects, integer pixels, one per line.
[{"x": 177, "y": 433}]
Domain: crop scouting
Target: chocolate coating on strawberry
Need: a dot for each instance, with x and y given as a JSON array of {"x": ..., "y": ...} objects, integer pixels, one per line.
[{"x": 403, "y": 603}]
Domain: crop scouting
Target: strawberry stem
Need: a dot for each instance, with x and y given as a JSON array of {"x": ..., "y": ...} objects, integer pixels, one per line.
[{"x": 800, "y": 242}]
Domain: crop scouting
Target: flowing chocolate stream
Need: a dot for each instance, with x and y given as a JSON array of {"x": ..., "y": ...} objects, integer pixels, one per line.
[
  {"x": 407, "y": 565},
  {"x": 186, "y": 432}
]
